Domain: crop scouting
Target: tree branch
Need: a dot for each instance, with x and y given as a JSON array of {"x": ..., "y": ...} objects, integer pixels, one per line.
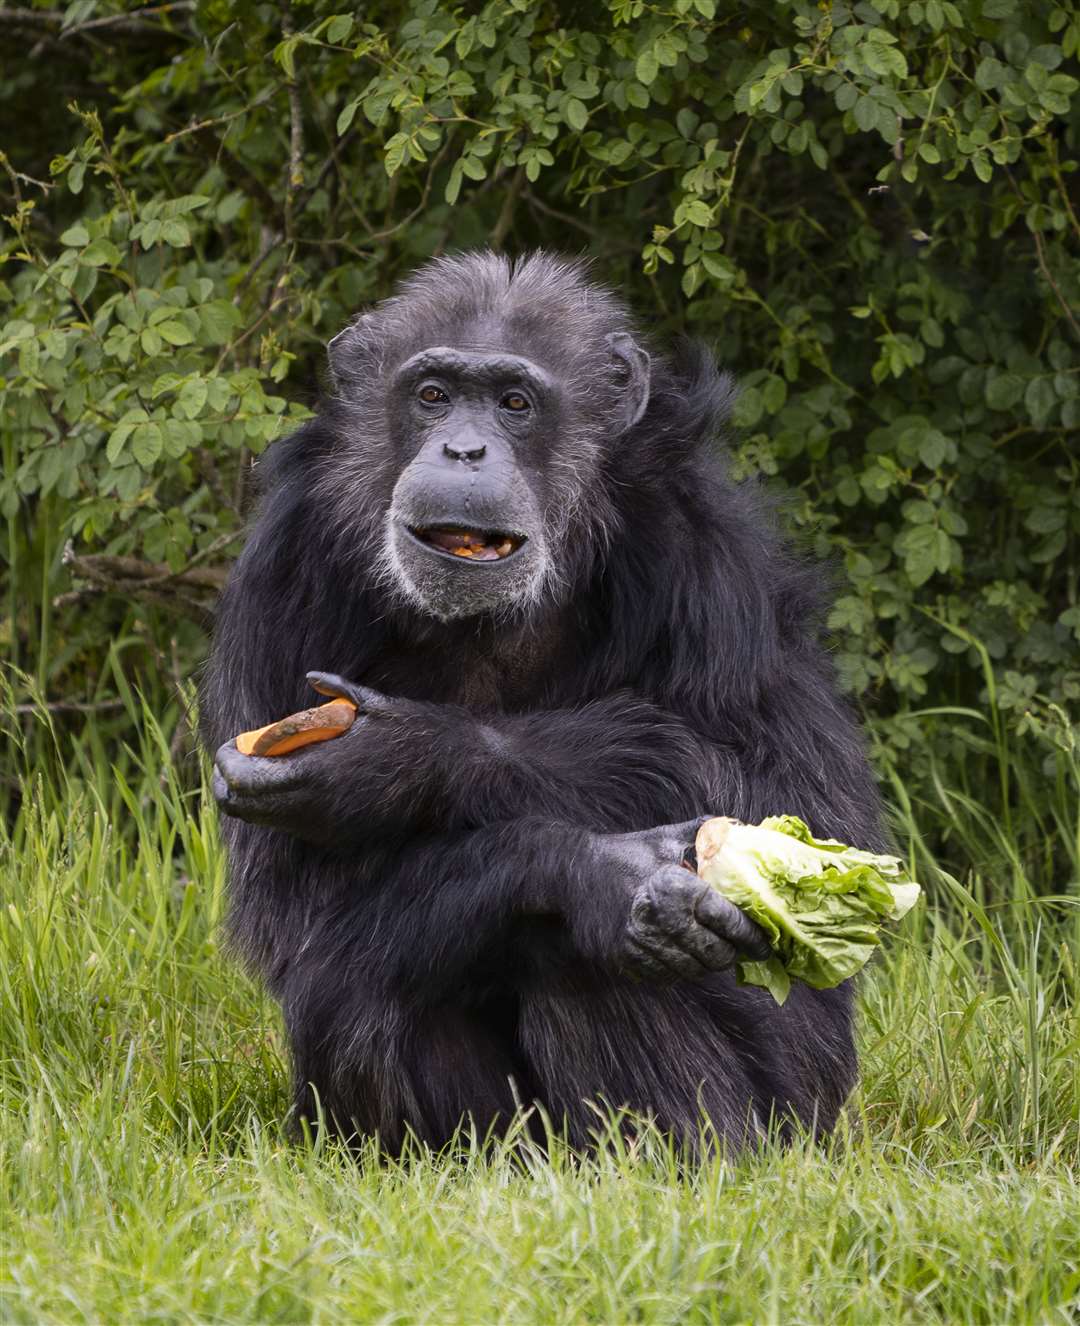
[
  {"x": 191, "y": 591},
  {"x": 135, "y": 23}
]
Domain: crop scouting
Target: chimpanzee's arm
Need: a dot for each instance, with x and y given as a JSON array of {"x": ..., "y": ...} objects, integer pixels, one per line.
[
  {"x": 442, "y": 903},
  {"x": 415, "y": 767},
  {"x": 617, "y": 763}
]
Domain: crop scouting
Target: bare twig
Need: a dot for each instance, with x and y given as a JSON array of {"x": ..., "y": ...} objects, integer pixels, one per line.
[
  {"x": 197, "y": 126},
  {"x": 566, "y": 217},
  {"x": 133, "y": 573},
  {"x": 380, "y": 235},
  {"x": 135, "y": 22},
  {"x": 16, "y": 175},
  {"x": 1043, "y": 265},
  {"x": 269, "y": 241},
  {"x": 199, "y": 610},
  {"x": 71, "y": 707},
  {"x": 295, "y": 180},
  {"x": 1054, "y": 285},
  {"x": 191, "y": 591},
  {"x": 506, "y": 213}
]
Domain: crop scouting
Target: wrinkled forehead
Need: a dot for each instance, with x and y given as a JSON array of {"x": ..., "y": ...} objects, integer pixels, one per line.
[{"x": 474, "y": 364}]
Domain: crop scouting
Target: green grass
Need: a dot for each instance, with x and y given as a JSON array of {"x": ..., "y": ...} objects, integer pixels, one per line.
[{"x": 146, "y": 1177}]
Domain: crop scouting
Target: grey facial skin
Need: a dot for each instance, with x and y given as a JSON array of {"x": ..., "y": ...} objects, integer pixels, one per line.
[{"x": 476, "y": 420}]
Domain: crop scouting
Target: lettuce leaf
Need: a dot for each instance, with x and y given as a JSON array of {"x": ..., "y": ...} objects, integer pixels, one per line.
[{"x": 820, "y": 902}]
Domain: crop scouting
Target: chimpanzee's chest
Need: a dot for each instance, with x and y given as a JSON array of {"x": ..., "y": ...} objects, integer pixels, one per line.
[{"x": 502, "y": 673}]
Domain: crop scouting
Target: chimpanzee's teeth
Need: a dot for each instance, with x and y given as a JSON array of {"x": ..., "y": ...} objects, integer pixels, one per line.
[{"x": 474, "y": 545}]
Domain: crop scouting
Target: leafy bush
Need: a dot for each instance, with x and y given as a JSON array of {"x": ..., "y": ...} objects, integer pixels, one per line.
[{"x": 864, "y": 207}]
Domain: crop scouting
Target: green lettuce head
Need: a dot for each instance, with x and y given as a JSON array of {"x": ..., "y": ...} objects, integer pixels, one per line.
[{"x": 820, "y": 902}]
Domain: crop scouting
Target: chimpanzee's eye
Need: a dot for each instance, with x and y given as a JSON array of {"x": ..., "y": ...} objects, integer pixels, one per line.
[
  {"x": 514, "y": 401},
  {"x": 432, "y": 395}
]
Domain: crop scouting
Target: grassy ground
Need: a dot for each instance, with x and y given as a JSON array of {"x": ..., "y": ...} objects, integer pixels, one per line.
[{"x": 146, "y": 1177}]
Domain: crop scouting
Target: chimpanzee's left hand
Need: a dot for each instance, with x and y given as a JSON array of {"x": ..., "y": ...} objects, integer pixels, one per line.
[{"x": 320, "y": 791}]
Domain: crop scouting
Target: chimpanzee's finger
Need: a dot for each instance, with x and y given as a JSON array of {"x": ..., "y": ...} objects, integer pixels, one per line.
[
  {"x": 653, "y": 956},
  {"x": 667, "y": 907},
  {"x": 712, "y": 909},
  {"x": 259, "y": 806},
  {"x": 366, "y": 700},
  {"x": 251, "y": 774},
  {"x": 671, "y": 842}
]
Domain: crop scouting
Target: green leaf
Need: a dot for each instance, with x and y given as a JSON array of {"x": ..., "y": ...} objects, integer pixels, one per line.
[
  {"x": 687, "y": 121},
  {"x": 175, "y": 233},
  {"x": 147, "y": 442},
  {"x": 980, "y": 163},
  {"x": 721, "y": 269},
  {"x": 218, "y": 319},
  {"x": 774, "y": 394},
  {"x": 346, "y": 115},
  {"x": 75, "y": 236},
  {"x": 749, "y": 407},
  {"x": 175, "y": 333},
  {"x": 691, "y": 279},
  {"x": 846, "y": 95},
  {"x": 647, "y": 68},
  {"x": 1050, "y": 549},
  {"x": 1040, "y": 400},
  {"x": 338, "y": 29},
  {"x": 925, "y": 549},
  {"x": 102, "y": 253},
  {"x": 396, "y": 149},
  {"x": 453, "y": 184},
  {"x": 577, "y": 115},
  {"x": 114, "y": 448},
  {"x": 1003, "y": 390},
  {"x": 884, "y": 60},
  {"x": 695, "y": 211},
  {"x": 933, "y": 447},
  {"x": 191, "y": 398},
  {"x": 865, "y": 113},
  {"x": 179, "y": 436}
]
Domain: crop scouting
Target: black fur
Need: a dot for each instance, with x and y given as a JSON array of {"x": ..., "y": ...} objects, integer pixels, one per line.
[{"x": 444, "y": 916}]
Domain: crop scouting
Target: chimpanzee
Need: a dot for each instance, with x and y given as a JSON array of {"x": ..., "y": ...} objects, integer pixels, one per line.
[{"x": 508, "y": 536}]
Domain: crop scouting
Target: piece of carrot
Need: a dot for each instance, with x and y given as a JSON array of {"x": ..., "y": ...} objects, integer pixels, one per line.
[{"x": 322, "y": 723}]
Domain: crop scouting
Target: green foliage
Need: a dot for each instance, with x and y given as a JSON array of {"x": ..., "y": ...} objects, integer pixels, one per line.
[{"x": 866, "y": 208}]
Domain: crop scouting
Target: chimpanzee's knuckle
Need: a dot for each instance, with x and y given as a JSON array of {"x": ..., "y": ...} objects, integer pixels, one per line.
[
  {"x": 649, "y": 959},
  {"x": 219, "y": 786},
  {"x": 719, "y": 955},
  {"x": 643, "y": 908}
]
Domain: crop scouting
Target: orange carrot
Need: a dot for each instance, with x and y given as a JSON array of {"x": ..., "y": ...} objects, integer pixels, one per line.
[{"x": 322, "y": 723}]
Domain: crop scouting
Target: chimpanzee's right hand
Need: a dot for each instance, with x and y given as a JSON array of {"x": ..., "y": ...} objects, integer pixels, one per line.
[
  {"x": 678, "y": 926},
  {"x": 326, "y": 792}
]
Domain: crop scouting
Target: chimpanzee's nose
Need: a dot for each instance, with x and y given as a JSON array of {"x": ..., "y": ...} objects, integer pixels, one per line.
[{"x": 463, "y": 451}]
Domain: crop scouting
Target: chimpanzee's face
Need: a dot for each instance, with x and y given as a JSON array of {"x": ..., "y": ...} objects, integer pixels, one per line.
[
  {"x": 478, "y": 412},
  {"x": 472, "y": 431}
]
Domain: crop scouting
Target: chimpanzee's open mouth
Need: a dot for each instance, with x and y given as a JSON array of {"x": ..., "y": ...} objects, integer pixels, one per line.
[{"x": 477, "y": 545}]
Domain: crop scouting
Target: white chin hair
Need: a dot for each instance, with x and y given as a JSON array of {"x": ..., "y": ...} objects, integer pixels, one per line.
[{"x": 449, "y": 596}]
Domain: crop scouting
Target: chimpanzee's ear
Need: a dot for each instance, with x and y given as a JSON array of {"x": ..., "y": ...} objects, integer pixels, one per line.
[
  {"x": 345, "y": 352},
  {"x": 633, "y": 369}
]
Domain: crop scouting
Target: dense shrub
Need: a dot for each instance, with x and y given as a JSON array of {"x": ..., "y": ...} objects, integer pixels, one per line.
[{"x": 864, "y": 207}]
